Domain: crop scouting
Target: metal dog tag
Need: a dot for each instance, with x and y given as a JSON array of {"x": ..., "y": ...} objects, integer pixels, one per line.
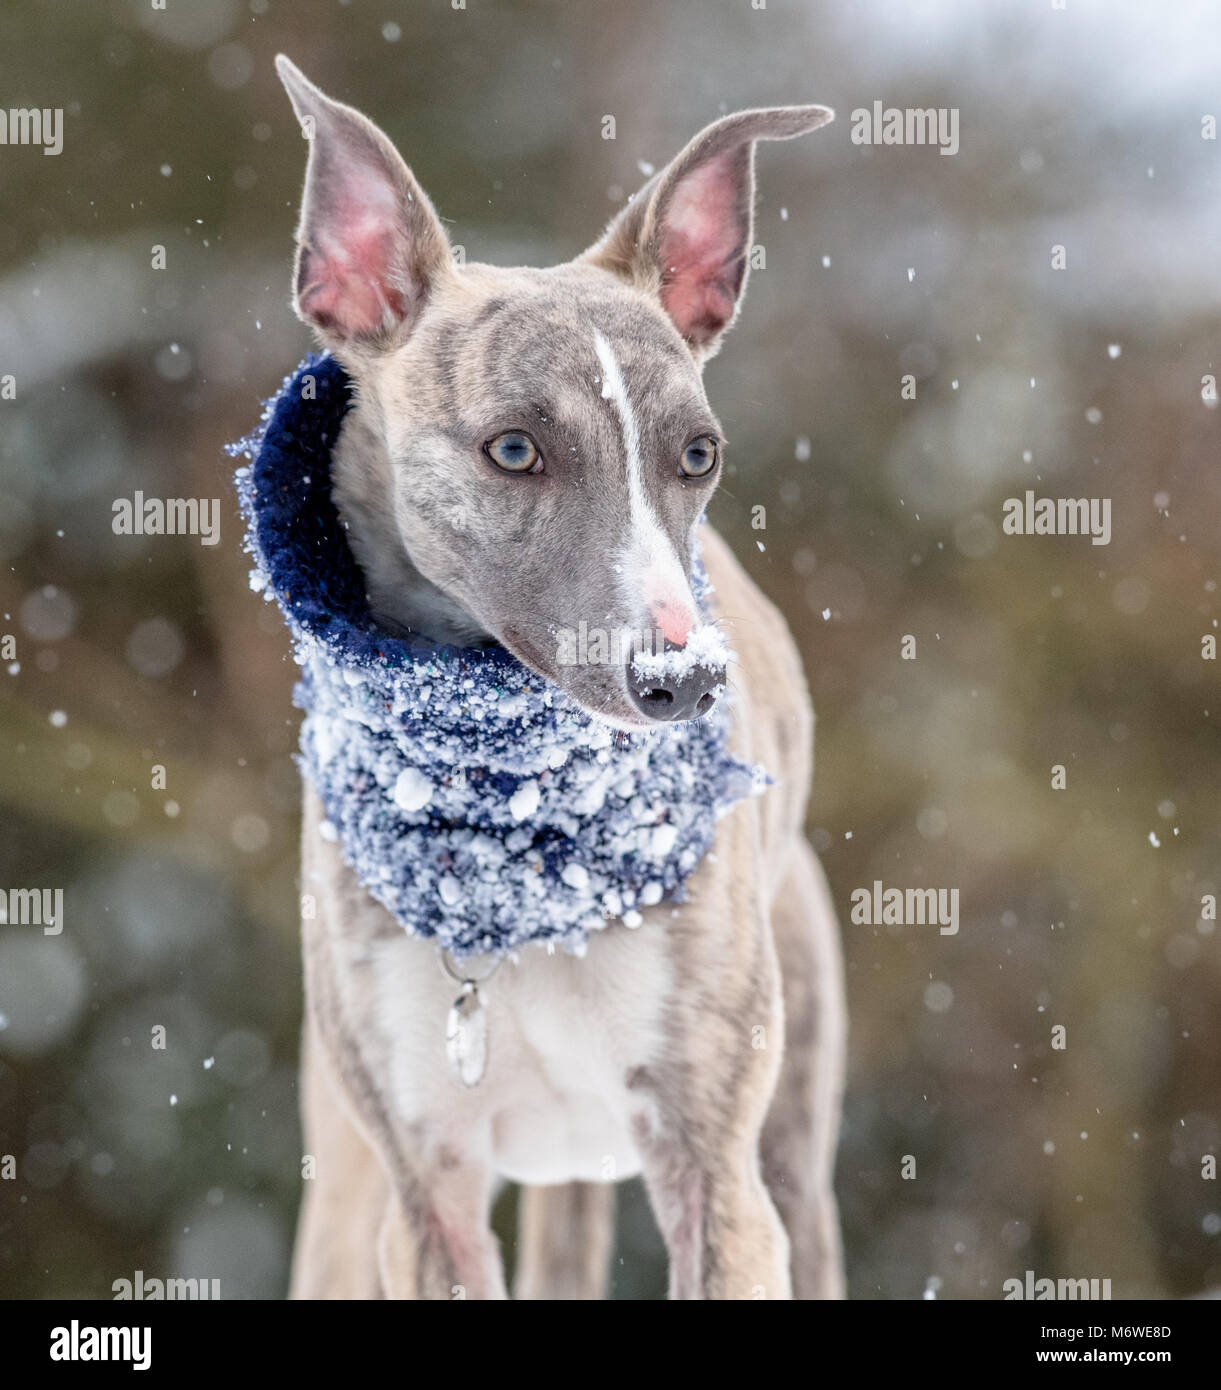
[{"x": 466, "y": 1035}]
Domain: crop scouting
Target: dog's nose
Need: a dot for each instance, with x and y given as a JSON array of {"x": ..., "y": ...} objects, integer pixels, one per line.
[
  {"x": 673, "y": 685},
  {"x": 673, "y": 619}
]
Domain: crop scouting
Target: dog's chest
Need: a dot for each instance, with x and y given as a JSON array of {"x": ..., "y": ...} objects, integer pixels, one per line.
[{"x": 566, "y": 1035}]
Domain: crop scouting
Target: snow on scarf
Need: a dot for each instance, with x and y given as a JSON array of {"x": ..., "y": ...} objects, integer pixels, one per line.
[{"x": 472, "y": 798}]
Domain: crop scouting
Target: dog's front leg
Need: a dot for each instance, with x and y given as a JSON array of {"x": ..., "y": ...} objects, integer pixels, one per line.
[
  {"x": 720, "y": 1227},
  {"x": 435, "y": 1242},
  {"x": 703, "y": 1105}
]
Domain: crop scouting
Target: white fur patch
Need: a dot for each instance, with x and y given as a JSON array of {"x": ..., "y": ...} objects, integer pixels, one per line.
[
  {"x": 650, "y": 566},
  {"x": 564, "y": 1034}
]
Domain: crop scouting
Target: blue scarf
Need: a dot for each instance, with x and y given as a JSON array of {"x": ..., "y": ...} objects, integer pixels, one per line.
[{"x": 472, "y": 798}]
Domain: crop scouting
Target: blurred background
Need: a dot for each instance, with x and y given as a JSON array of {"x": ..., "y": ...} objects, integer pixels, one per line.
[{"x": 1082, "y": 128}]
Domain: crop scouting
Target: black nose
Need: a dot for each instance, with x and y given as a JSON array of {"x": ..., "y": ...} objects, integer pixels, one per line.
[{"x": 673, "y": 689}]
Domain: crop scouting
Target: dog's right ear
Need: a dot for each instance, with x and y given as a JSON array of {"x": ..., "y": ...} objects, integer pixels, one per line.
[{"x": 369, "y": 244}]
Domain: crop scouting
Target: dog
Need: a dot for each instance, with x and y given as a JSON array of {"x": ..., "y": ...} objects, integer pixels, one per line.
[{"x": 529, "y": 450}]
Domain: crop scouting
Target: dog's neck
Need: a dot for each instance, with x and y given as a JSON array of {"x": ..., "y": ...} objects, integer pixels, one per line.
[
  {"x": 483, "y": 807},
  {"x": 401, "y": 599}
]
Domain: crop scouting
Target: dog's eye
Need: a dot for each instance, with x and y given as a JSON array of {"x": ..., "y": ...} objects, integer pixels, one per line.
[
  {"x": 515, "y": 452},
  {"x": 699, "y": 457}
]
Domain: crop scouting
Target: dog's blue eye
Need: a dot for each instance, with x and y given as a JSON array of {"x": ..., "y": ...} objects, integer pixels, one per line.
[
  {"x": 699, "y": 457},
  {"x": 515, "y": 452}
]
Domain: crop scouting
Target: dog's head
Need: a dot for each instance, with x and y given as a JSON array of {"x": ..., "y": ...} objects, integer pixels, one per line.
[{"x": 533, "y": 448}]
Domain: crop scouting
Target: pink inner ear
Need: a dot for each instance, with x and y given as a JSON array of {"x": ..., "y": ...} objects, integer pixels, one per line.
[
  {"x": 347, "y": 280},
  {"x": 701, "y": 248}
]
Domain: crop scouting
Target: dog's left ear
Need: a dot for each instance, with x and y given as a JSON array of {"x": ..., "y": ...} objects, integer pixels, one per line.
[{"x": 686, "y": 235}]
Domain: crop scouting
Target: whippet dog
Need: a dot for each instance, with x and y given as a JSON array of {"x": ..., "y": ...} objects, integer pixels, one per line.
[{"x": 529, "y": 450}]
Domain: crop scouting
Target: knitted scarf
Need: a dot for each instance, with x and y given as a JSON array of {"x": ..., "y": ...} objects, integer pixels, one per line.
[{"x": 471, "y": 797}]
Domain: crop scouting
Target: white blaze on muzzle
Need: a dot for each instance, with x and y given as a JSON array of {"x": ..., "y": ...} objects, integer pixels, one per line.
[{"x": 653, "y": 577}]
